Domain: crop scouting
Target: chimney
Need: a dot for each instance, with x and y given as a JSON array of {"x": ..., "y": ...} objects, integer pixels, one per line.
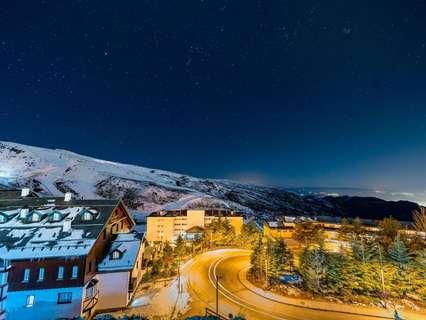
[
  {"x": 24, "y": 212},
  {"x": 25, "y": 192},
  {"x": 67, "y": 225},
  {"x": 68, "y": 196}
]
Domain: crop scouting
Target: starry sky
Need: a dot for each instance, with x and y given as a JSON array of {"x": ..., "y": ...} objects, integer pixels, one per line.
[{"x": 294, "y": 93}]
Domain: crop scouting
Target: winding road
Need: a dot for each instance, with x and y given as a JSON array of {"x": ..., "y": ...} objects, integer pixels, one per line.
[{"x": 238, "y": 297}]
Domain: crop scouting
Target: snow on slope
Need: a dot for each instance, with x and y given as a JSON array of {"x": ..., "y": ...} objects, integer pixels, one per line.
[{"x": 55, "y": 172}]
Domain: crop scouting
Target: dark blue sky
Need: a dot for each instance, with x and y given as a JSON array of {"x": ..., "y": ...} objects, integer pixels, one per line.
[{"x": 300, "y": 93}]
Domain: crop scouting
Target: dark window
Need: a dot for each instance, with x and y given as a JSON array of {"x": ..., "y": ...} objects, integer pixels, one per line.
[
  {"x": 105, "y": 232},
  {"x": 64, "y": 297},
  {"x": 90, "y": 266}
]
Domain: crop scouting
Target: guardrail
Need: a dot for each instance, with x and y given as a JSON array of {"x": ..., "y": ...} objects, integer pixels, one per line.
[{"x": 211, "y": 313}]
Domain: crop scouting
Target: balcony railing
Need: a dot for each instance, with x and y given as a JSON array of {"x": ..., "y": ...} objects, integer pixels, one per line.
[{"x": 90, "y": 302}]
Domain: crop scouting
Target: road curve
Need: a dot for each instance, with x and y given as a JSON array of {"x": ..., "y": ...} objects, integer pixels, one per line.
[{"x": 239, "y": 299}]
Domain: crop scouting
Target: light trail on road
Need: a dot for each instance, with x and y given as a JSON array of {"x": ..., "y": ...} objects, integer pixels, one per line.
[{"x": 235, "y": 297}]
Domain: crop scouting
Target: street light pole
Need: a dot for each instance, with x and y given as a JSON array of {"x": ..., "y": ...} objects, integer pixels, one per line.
[
  {"x": 217, "y": 293},
  {"x": 266, "y": 267},
  {"x": 178, "y": 261},
  {"x": 382, "y": 276}
]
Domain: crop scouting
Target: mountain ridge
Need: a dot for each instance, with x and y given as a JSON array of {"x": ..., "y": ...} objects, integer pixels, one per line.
[{"x": 56, "y": 171}]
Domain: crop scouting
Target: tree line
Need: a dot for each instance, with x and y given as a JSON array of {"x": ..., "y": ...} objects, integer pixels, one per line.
[{"x": 367, "y": 266}]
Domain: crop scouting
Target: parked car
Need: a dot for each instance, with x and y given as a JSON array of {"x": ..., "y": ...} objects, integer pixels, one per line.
[{"x": 291, "y": 278}]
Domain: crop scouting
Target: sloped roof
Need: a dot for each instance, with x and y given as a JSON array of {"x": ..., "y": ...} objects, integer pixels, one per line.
[
  {"x": 195, "y": 229},
  {"x": 128, "y": 244},
  {"x": 21, "y": 239},
  {"x": 207, "y": 212},
  {"x": 8, "y": 194}
]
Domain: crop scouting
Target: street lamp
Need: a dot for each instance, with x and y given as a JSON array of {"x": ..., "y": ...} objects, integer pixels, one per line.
[
  {"x": 217, "y": 293},
  {"x": 266, "y": 266},
  {"x": 382, "y": 275}
]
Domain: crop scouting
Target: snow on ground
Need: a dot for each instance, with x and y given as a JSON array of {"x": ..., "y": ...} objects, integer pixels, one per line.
[{"x": 54, "y": 172}]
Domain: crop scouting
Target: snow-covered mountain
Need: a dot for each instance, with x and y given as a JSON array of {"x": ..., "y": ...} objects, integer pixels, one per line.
[{"x": 55, "y": 172}]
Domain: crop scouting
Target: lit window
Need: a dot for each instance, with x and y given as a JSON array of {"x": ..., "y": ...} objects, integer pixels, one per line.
[
  {"x": 41, "y": 274},
  {"x": 2, "y": 218},
  {"x": 35, "y": 218},
  {"x": 26, "y": 275},
  {"x": 87, "y": 216},
  {"x": 30, "y": 301},
  {"x": 74, "y": 273},
  {"x": 56, "y": 216},
  {"x": 64, "y": 297},
  {"x": 60, "y": 273},
  {"x": 115, "y": 255}
]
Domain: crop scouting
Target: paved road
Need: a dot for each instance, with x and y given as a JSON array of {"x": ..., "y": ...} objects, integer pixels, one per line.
[{"x": 237, "y": 298}]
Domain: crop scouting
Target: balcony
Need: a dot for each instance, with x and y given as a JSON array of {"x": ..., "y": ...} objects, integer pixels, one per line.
[
  {"x": 92, "y": 296},
  {"x": 90, "y": 302}
]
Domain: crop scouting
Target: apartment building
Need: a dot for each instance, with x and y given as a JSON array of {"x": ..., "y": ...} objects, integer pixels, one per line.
[
  {"x": 284, "y": 227},
  {"x": 167, "y": 226},
  {"x": 121, "y": 271},
  {"x": 55, "y": 247},
  {"x": 4, "y": 270}
]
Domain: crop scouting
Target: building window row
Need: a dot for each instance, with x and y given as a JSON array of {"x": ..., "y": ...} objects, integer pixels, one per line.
[
  {"x": 42, "y": 273},
  {"x": 63, "y": 297}
]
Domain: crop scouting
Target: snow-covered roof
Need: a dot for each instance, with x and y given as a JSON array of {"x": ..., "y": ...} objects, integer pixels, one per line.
[
  {"x": 216, "y": 212},
  {"x": 23, "y": 238},
  {"x": 195, "y": 229},
  {"x": 8, "y": 194},
  {"x": 127, "y": 245}
]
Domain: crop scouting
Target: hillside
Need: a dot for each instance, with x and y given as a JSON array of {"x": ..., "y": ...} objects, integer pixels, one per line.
[{"x": 55, "y": 172}]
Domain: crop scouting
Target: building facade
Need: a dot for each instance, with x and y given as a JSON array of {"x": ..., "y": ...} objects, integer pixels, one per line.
[
  {"x": 4, "y": 271},
  {"x": 55, "y": 246},
  {"x": 121, "y": 271},
  {"x": 284, "y": 227},
  {"x": 167, "y": 226}
]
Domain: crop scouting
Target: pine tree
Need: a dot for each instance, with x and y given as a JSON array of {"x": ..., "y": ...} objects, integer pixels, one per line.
[
  {"x": 389, "y": 228},
  {"x": 358, "y": 228},
  {"x": 167, "y": 250},
  {"x": 398, "y": 252},
  {"x": 180, "y": 247},
  {"x": 307, "y": 233},
  {"x": 364, "y": 250},
  {"x": 228, "y": 233},
  {"x": 418, "y": 266},
  {"x": 270, "y": 267},
  {"x": 345, "y": 231},
  {"x": 333, "y": 280},
  {"x": 313, "y": 268},
  {"x": 257, "y": 259},
  {"x": 282, "y": 258},
  {"x": 249, "y": 235}
]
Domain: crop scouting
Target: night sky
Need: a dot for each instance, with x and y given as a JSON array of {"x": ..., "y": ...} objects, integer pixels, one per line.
[{"x": 295, "y": 93}]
